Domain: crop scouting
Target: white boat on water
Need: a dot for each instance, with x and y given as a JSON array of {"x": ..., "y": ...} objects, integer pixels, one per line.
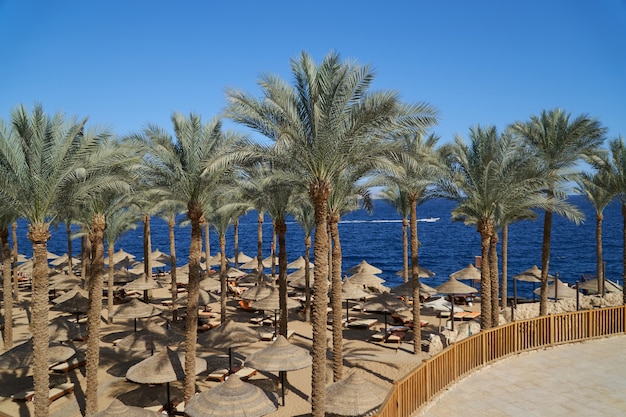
[{"x": 429, "y": 220}]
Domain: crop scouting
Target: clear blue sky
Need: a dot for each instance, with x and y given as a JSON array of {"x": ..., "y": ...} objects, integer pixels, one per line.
[{"x": 128, "y": 63}]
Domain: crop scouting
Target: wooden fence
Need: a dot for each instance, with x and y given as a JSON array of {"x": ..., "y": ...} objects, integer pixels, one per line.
[{"x": 415, "y": 390}]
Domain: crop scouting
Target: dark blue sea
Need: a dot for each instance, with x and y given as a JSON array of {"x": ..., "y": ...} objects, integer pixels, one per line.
[{"x": 445, "y": 246}]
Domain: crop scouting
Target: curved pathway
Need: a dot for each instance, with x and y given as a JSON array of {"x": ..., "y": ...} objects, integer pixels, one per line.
[{"x": 584, "y": 379}]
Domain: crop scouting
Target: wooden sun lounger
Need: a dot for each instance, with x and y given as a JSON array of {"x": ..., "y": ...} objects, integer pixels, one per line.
[
  {"x": 245, "y": 373},
  {"x": 218, "y": 375},
  {"x": 363, "y": 324},
  {"x": 68, "y": 365},
  {"x": 54, "y": 394}
]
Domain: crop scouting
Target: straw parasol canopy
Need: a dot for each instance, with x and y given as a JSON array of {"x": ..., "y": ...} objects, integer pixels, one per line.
[
  {"x": 559, "y": 290},
  {"x": 385, "y": 303},
  {"x": 60, "y": 329},
  {"x": 233, "y": 398},
  {"x": 365, "y": 278},
  {"x": 23, "y": 355},
  {"x": 153, "y": 337},
  {"x": 162, "y": 368},
  {"x": 159, "y": 256},
  {"x": 143, "y": 283},
  {"x": 364, "y": 267},
  {"x": 77, "y": 304},
  {"x": 229, "y": 335},
  {"x": 352, "y": 292},
  {"x": 592, "y": 286},
  {"x": 531, "y": 275},
  {"x": 210, "y": 284},
  {"x": 280, "y": 356},
  {"x": 135, "y": 309},
  {"x": 355, "y": 395},
  {"x": 441, "y": 304},
  {"x": 234, "y": 273},
  {"x": 469, "y": 272},
  {"x": 257, "y": 292},
  {"x": 70, "y": 294},
  {"x": 406, "y": 289},
  {"x": 241, "y": 257},
  {"x": 254, "y": 263},
  {"x": 453, "y": 286},
  {"x": 299, "y": 263},
  {"x": 272, "y": 301},
  {"x": 119, "y": 409},
  {"x": 252, "y": 278},
  {"x": 204, "y": 298},
  {"x": 421, "y": 272},
  {"x": 300, "y": 283},
  {"x": 299, "y": 273},
  {"x": 64, "y": 282}
]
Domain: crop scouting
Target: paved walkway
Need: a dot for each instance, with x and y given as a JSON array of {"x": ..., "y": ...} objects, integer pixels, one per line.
[{"x": 585, "y": 379}]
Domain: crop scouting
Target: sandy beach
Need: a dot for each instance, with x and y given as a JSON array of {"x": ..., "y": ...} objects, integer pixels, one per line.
[{"x": 383, "y": 363}]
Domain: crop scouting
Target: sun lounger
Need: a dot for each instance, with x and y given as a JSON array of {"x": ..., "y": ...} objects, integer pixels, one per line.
[
  {"x": 246, "y": 305},
  {"x": 245, "y": 373},
  {"x": 218, "y": 375},
  {"x": 68, "y": 365},
  {"x": 55, "y": 392},
  {"x": 363, "y": 323},
  {"x": 471, "y": 315}
]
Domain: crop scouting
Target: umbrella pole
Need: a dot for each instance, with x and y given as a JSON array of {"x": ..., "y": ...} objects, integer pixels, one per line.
[
  {"x": 282, "y": 384},
  {"x": 577, "y": 296},
  {"x": 135, "y": 324},
  {"x": 514, "y": 299},
  {"x": 452, "y": 312},
  {"x": 168, "y": 406},
  {"x": 230, "y": 360}
]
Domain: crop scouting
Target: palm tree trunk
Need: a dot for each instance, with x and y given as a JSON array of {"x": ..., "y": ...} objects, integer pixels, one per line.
[
  {"x": 194, "y": 212},
  {"x": 485, "y": 228},
  {"x": 147, "y": 246},
  {"x": 207, "y": 245},
  {"x": 307, "y": 278},
  {"x": 333, "y": 226},
  {"x": 417, "y": 328},
  {"x": 259, "y": 244},
  {"x": 405, "y": 249},
  {"x": 273, "y": 252},
  {"x": 39, "y": 235},
  {"x": 172, "y": 224},
  {"x": 545, "y": 262},
  {"x": 599, "y": 260},
  {"x": 110, "y": 280},
  {"x": 236, "y": 242},
  {"x": 8, "y": 296},
  {"x": 493, "y": 276},
  {"x": 505, "y": 265},
  {"x": 93, "y": 315},
  {"x": 223, "y": 277},
  {"x": 319, "y": 191},
  {"x": 281, "y": 230},
  {"x": 16, "y": 287},
  {"x": 68, "y": 230}
]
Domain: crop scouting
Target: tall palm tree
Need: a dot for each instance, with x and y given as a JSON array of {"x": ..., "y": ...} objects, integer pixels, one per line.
[
  {"x": 344, "y": 198},
  {"x": 398, "y": 199},
  {"x": 326, "y": 121},
  {"x": 6, "y": 218},
  {"x": 559, "y": 143},
  {"x": 486, "y": 174},
  {"x": 617, "y": 171},
  {"x": 304, "y": 215},
  {"x": 600, "y": 188},
  {"x": 186, "y": 167},
  {"x": 44, "y": 158},
  {"x": 415, "y": 167}
]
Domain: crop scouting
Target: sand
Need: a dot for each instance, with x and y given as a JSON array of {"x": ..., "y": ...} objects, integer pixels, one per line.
[{"x": 386, "y": 362}]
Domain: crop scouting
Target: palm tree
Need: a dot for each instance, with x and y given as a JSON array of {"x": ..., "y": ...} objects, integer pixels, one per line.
[
  {"x": 118, "y": 222},
  {"x": 44, "y": 159},
  {"x": 6, "y": 218},
  {"x": 559, "y": 144},
  {"x": 415, "y": 166},
  {"x": 398, "y": 199},
  {"x": 617, "y": 169},
  {"x": 326, "y": 122},
  {"x": 485, "y": 175},
  {"x": 168, "y": 211},
  {"x": 600, "y": 188},
  {"x": 303, "y": 213},
  {"x": 186, "y": 168},
  {"x": 343, "y": 199}
]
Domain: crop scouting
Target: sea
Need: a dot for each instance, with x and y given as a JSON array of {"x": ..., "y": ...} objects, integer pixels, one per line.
[{"x": 445, "y": 246}]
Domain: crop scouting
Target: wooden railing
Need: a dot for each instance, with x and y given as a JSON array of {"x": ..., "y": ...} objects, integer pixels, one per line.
[{"x": 415, "y": 390}]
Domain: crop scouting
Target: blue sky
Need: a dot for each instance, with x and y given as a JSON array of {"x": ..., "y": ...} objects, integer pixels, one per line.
[{"x": 128, "y": 63}]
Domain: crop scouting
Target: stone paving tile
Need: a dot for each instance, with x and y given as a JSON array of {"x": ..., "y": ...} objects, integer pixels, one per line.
[{"x": 585, "y": 379}]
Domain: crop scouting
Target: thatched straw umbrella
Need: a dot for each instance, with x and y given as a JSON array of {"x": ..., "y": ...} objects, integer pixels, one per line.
[
  {"x": 453, "y": 287},
  {"x": 22, "y": 355},
  {"x": 229, "y": 335},
  {"x": 135, "y": 309},
  {"x": 355, "y": 395},
  {"x": 119, "y": 409},
  {"x": 364, "y": 267}
]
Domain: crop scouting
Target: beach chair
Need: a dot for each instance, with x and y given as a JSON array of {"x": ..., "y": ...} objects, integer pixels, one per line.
[
  {"x": 218, "y": 375},
  {"x": 60, "y": 391},
  {"x": 363, "y": 324},
  {"x": 68, "y": 365},
  {"x": 245, "y": 373}
]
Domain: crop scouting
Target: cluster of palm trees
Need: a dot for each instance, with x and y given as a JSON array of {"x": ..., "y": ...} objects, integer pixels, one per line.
[{"x": 331, "y": 138}]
